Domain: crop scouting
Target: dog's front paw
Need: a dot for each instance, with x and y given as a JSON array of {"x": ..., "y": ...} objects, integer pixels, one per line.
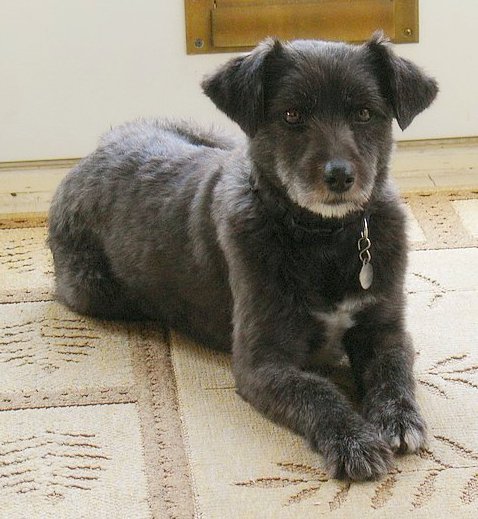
[
  {"x": 400, "y": 424},
  {"x": 357, "y": 455}
]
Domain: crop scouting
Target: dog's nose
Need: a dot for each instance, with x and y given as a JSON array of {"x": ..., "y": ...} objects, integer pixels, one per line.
[{"x": 339, "y": 175}]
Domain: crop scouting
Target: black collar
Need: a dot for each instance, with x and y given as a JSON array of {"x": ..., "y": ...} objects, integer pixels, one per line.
[{"x": 303, "y": 225}]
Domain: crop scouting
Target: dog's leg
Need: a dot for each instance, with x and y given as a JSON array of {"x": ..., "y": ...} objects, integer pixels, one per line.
[
  {"x": 84, "y": 281},
  {"x": 382, "y": 360},
  {"x": 268, "y": 377}
]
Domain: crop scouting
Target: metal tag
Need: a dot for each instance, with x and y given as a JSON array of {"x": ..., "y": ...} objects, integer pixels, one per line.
[{"x": 366, "y": 276}]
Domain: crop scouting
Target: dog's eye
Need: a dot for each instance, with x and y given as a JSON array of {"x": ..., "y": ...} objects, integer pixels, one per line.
[
  {"x": 292, "y": 116},
  {"x": 363, "y": 115}
]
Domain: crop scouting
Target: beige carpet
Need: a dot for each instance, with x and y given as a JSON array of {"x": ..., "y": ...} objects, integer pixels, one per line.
[{"x": 110, "y": 420}]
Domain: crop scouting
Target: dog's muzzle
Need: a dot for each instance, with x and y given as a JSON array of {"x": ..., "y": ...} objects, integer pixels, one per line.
[{"x": 339, "y": 175}]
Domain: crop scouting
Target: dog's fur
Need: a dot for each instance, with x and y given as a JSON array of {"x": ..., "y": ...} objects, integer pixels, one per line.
[{"x": 244, "y": 245}]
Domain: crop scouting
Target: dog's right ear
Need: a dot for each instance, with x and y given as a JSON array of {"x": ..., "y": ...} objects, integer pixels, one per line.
[{"x": 237, "y": 88}]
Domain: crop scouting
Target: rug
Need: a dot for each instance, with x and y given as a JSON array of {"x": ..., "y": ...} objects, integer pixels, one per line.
[{"x": 120, "y": 420}]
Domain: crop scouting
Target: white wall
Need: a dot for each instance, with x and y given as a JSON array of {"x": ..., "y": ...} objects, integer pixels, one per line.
[{"x": 71, "y": 68}]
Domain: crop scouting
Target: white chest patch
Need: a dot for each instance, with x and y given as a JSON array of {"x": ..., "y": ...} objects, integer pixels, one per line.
[{"x": 336, "y": 323}]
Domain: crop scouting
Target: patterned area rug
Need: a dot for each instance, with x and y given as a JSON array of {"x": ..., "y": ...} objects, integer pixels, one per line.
[{"x": 103, "y": 419}]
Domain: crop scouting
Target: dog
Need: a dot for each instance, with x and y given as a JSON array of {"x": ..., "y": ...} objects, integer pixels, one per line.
[{"x": 283, "y": 246}]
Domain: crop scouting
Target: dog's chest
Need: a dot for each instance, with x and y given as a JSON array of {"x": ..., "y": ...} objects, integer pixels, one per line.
[{"x": 335, "y": 323}]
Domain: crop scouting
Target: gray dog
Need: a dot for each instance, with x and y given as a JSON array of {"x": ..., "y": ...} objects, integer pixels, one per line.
[{"x": 283, "y": 247}]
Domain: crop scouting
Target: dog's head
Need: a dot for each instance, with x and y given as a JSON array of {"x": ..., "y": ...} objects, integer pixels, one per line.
[{"x": 319, "y": 114}]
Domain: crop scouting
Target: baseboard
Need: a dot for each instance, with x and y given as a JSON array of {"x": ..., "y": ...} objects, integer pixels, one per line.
[
  {"x": 436, "y": 165},
  {"x": 26, "y": 187}
]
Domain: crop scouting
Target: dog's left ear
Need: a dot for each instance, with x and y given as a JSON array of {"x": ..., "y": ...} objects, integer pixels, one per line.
[
  {"x": 237, "y": 88},
  {"x": 407, "y": 88}
]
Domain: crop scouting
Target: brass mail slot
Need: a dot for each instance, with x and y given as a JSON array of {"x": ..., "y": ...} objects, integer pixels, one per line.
[
  {"x": 238, "y": 25},
  {"x": 244, "y": 27}
]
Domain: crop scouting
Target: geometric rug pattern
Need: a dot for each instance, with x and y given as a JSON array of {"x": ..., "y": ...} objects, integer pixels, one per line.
[{"x": 126, "y": 420}]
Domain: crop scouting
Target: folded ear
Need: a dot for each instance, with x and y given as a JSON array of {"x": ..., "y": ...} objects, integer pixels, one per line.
[
  {"x": 237, "y": 88},
  {"x": 407, "y": 88}
]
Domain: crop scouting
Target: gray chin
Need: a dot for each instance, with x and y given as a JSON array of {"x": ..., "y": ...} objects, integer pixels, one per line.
[
  {"x": 333, "y": 210},
  {"x": 333, "y": 206}
]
